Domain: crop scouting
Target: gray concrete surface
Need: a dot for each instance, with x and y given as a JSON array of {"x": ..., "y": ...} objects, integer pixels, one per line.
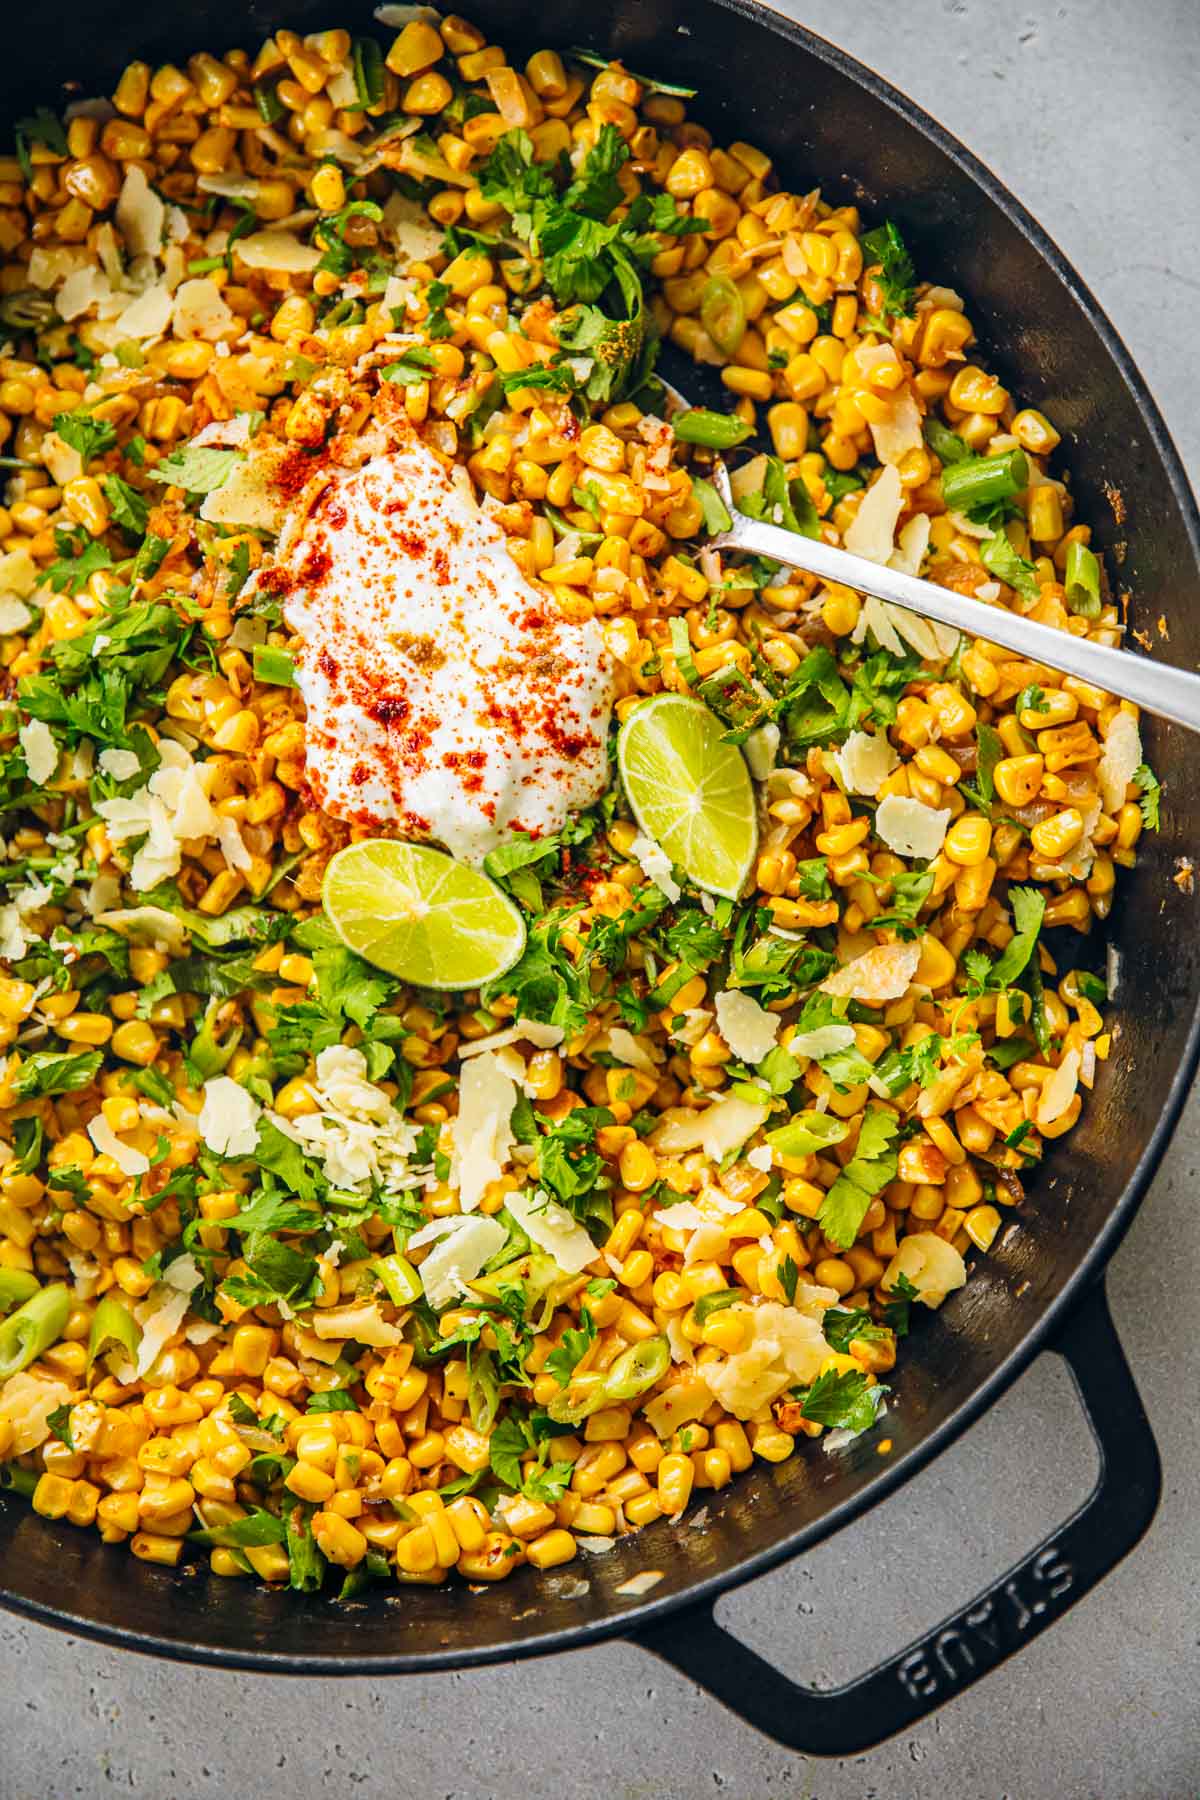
[{"x": 1087, "y": 110}]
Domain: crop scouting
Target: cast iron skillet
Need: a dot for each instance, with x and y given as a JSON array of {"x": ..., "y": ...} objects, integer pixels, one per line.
[{"x": 826, "y": 120}]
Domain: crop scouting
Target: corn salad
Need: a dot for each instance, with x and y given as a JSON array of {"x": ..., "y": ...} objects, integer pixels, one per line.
[{"x": 781, "y": 1122}]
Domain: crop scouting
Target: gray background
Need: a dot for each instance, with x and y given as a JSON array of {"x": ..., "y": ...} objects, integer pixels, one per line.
[{"x": 1087, "y": 110}]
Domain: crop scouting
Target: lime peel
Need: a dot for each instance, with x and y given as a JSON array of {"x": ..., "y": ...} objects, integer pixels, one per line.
[{"x": 414, "y": 911}]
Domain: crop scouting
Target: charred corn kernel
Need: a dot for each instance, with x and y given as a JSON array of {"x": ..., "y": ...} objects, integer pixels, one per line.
[
  {"x": 328, "y": 188},
  {"x": 308, "y": 1483},
  {"x": 771, "y": 1443},
  {"x": 147, "y": 1546},
  {"x": 981, "y": 1225},
  {"x": 135, "y": 1042},
  {"x": 417, "y": 48},
  {"x": 551, "y": 1549},
  {"x": 1018, "y": 779},
  {"x": 675, "y": 1480},
  {"x": 1055, "y": 837},
  {"x": 968, "y": 840},
  {"x": 1033, "y": 431}
]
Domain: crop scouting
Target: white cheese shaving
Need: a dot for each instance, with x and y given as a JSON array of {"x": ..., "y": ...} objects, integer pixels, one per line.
[
  {"x": 146, "y": 317},
  {"x": 911, "y": 828},
  {"x": 249, "y": 496},
  {"x": 229, "y": 1117},
  {"x": 1058, "y": 1093},
  {"x": 172, "y": 808},
  {"x": 160, "y": 1316},
  {"x": 39, "y": 749},
  {"x": 129, "y": 1161},
  {"x": 877, "y": 975},
  {"x": 872, "y": 531},
  {"x": 140, "y": 213},
  {"x": 27, "y": 1401},
  {"x": 531, "y": 1031},
  {"x": 686, "y": 1399},
  {"x": 280, "y": 251},
  {"x": 933, "y": 1266},
  {"x": 483, "y": 1135},
  {"x": 823, "y": 1040},
  {"x": 900, "y": 431},
  {"x": 865, "y": 761},
  {"x": 1121, "y": 755},
  {"x": 748, "y": 1028},
  {"x": 655, "y": 866},
  {"x": 720, "y": 1128},
  {"x": 152, "y": 925},
  {"x": 120, "y": 764},
  {"x": 200, "y": 311},
  {"x": 551, "y": 1227},
  {"x": 458, "y": 1257},
  {"x": 761, "y": 1157},
  {"x": 633, "y": 1052}
]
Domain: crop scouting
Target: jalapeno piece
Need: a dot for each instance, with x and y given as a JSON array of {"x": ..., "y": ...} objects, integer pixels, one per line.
[{"x": 723, "y": 313}]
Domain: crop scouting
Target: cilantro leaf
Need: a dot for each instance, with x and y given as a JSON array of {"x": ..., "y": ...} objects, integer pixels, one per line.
[
  {"x": 989, "y": 751},
  {"x": 842, "y": 1326},
  {"x": 129, "y": 510},
  {"x": 869, "y": 1171},
  {"x": 90, "y": 437},
  {"x": 56, "y": 1072},
  {"x": 196, "y": 468},
  {"x": 1006, "y": 564},
  {"x": 896, "y": 1311},
  {"x": 571, "y": 1349},
  {"x": 896, "y": 277},
  {"x": 843, "y": 1402}
]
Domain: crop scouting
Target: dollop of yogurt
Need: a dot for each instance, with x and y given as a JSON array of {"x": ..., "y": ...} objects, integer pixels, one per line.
[{"x": 447, "y": 697}]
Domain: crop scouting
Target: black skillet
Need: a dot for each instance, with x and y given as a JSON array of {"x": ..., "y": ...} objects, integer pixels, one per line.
[{"x": 826, "y": 120}]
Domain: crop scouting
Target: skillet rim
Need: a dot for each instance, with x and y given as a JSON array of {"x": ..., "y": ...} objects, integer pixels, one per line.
[{"x": 706, "y": 1591}]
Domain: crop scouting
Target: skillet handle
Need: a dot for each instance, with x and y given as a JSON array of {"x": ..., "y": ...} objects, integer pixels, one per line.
[{"x": 1006, "y": 1615}]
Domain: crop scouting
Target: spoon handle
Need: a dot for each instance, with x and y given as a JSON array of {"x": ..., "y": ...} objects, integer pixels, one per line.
[{"x": 1169, "y": 692}]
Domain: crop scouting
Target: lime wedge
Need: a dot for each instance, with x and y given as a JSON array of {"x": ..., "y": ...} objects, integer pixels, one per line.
[
  {"x": 420, "y": 915},
  {"x": 689, "y": 791}
]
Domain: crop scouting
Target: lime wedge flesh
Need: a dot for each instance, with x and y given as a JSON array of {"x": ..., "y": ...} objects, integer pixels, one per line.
[
  {"x": 420, "y": 915},
  {"x": 689, "y": 791}
]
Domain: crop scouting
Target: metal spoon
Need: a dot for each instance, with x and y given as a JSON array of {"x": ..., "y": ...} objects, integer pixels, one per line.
[{"x": 1171, "y": 693}]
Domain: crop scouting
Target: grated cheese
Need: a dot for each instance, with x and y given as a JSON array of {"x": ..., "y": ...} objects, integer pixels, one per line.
[
  {"x": 787, "y": 1346},
  {"x": 357, "y": 1134}
]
